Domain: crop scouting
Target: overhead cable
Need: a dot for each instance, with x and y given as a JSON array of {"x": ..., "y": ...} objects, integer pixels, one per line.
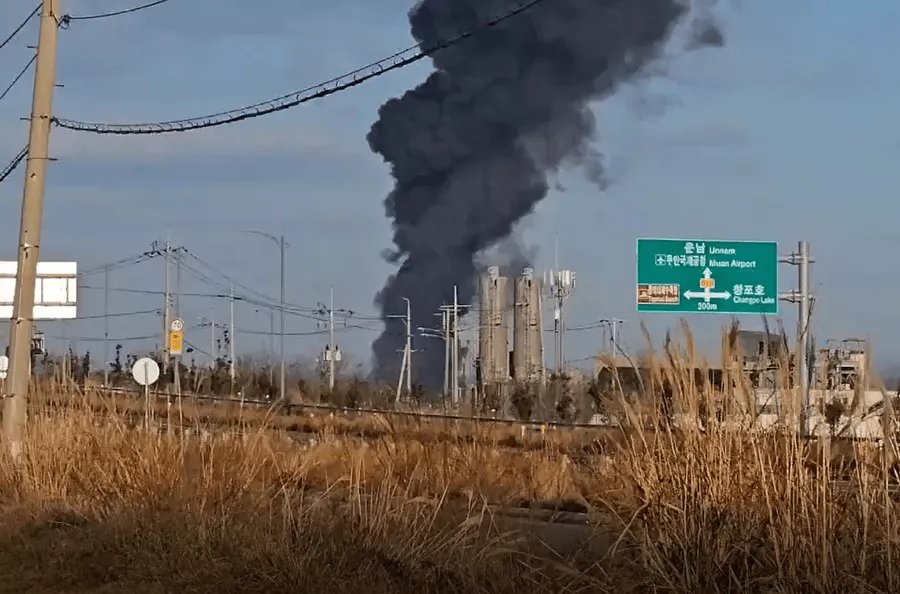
[
  {"x": 151, "y": 292},
  {"x": 21, "y": 26},
  {"x": 124, "y": 314},
  {"x": 123, "y": 263},
  {"x": 196, "y": 348},
  {"x": 6, "y": 171},
  {"x": 266, "y": 333},
  {"x": 18, "y": 77},
  {"x": 356, "y": 77},
  {"x": 261, "y": 299},
  {"x": 68, "y": 18},
  {"x": 227, "y": 278},
  {"x": 105, "y": 339}
]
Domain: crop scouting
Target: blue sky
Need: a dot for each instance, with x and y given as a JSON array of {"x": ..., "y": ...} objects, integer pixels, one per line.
[{"x": 786, "y": 133}]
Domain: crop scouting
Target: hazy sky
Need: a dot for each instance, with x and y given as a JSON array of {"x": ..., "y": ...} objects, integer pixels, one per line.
[{"x": 789, "y": 132}]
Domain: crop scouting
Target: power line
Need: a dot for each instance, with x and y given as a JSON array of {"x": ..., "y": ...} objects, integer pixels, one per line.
[
  {"x": 262, "y": 300},
  {"x": 335, "y": 85},
  {"x": 196, "y": 348},
  {"x": 17, "y": 160},
  {"x": 123, "y": 314},
  {"x": 243, "y": 298},
  {"x": 120, "y": 339},
  {"x": 18, "y": 76},
  {"x": 337, "y": 329},
  {"x": 267, "y": 333},
  {"x": 227, "y": 278},
  {"x": 123, "y": 263},
  {"x": 151, "y": 292},
  {"x": 68, "y": 18},
  {"x": 16, "y": 31},
  {"x": 101, "y": 338}
]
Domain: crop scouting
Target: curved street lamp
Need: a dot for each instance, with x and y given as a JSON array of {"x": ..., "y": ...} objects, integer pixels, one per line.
[{"x": 282, "y": 246}]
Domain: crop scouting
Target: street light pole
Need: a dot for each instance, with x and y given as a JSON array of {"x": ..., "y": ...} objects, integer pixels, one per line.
[
  {"x": 331, "y": 347},
  {"x": 281, "y": 385},
  {"x": 282, "y": 247},
  {"x": 271, "y": 346},
  {"x": 408, "y": 346}
]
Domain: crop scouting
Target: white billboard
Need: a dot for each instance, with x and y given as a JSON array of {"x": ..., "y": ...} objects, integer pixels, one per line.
[{"x": 54, "y": 291}]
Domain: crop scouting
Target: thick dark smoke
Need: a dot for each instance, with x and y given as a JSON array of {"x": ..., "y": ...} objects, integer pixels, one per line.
[
  {"x": 470, "y": 147},
  {"x": 509, "y": 254}
]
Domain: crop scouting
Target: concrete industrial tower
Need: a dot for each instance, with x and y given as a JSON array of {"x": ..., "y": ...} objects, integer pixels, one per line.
[
  {"x": 528, "y": 345},
  {"x": 493, "y": 331}
]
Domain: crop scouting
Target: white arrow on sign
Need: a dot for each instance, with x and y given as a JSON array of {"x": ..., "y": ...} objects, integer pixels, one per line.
[
  {"x": 707, "y": 295},
  {"x": 707, "y": 273}
]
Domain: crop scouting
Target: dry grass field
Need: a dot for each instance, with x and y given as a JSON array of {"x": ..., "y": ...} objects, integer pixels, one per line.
[{"x": 98, "y": 506}]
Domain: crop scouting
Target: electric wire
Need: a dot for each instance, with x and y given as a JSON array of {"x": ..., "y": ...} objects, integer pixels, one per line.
[
  {"x": 17, "y": 160},
  {"x": 123, "y": 263},
  {"x": 238, "y": 284},
  {"x": 124, "y": 314},
  {"x": 267, "y": 333},
  {"x": 263, "y": 300},
  {"x": 114, "y": 339},
  {"x": 103, "y": 338},
  {"x": 227, "y": 278},
  {"x": 335, "y": 85},
  {"x": 319, "y": 316},
  {"x": 150, "y": 292},
  {"x": 18, "y": 77},
  {"x": 68, "y": 18},
  {"x": 196, "y": 349},
  {"x": 242, "y": 298},
  {"x": 16, "y": 31}
]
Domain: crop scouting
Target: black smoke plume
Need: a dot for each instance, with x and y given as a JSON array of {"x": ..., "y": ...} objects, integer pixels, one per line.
[{"x": 471, "y": 146}]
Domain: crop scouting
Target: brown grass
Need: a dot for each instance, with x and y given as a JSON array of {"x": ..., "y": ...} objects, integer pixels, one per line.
[{"x": 98, "y": 506}]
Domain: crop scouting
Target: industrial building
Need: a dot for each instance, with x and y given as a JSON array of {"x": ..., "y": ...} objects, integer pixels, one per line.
[{"x": 841, "y": 365}]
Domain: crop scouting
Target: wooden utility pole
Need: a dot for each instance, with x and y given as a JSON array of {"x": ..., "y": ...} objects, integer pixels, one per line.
[{"x": 21, "y": 325}]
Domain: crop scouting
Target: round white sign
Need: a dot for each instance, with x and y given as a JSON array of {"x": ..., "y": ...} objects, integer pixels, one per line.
[
  {"x": 145, "y": 371},
  {"x": 177, "y": 325}
]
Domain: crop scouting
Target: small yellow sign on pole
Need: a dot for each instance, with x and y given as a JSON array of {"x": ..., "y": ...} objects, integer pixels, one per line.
[
  {"x": 176, "y": 342},
  {"x": 176, "y": 337}
]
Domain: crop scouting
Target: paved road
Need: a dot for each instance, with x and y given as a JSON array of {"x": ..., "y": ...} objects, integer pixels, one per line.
[{"x": 554, "y": 536}]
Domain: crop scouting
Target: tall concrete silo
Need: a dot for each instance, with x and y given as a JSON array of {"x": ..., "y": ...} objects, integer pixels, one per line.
[
  {"x": 493, "y": 331},
  {"x": 528, "y": 364}
]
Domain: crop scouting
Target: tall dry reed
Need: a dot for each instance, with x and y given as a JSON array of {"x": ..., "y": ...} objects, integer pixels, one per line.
[{"x": 100, "y": 506}]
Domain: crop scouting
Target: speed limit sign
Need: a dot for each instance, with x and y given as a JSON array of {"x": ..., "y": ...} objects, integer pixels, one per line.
[{"x": 177, "y": 325}]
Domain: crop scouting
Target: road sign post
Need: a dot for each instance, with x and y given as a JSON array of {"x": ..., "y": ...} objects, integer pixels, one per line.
[
  {"x": 176, "y": 349},
  {"x": 145, "y": 372},
  {"x": 707, "y": 276}
]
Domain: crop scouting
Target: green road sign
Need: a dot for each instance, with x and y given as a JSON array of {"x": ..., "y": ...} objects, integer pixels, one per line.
[{"x": 707, "y": 276}]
